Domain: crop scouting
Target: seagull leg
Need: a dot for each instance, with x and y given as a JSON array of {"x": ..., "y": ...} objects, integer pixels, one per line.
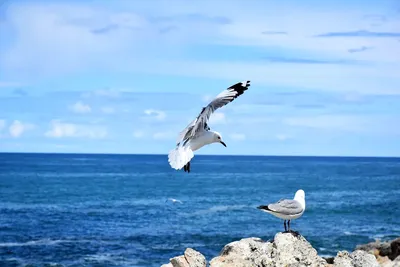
[
  {"x": 288, "y": 224},
  {"x": 188, "y": 167},
  {"x": 284, "y": 224},
  {"x": 295, "y": 233}
]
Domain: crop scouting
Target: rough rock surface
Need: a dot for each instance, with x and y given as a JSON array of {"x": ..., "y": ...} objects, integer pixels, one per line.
[
  {"x": 391, "y": 249},
  {"x": 285, "y": 250},
  {"x": 395, "y": 249},
  {"x": 288, "y": 250},
  {"x": 382, "y": 247},
  {"x": 191, "y": 258}
]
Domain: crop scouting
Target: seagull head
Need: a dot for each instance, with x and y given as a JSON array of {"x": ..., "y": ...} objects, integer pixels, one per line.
[
  {"x": 299, "y": 194},
  {"x": 300, "y": 197},
  {"x": 218, "y": 139}
]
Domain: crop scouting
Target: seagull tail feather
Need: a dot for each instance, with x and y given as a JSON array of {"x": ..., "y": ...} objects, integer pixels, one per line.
[{"x": 180, "y": 156}]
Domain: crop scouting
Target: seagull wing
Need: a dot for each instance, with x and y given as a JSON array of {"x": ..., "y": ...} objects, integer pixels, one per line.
[
  {"x": 286, "y": 206},
  {"x": 200, "y": 123}
]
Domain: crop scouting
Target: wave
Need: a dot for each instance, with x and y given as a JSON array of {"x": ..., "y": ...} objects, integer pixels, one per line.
[
  {"x": 47, "y": 242},
  {"x": 221, "y": 208}
]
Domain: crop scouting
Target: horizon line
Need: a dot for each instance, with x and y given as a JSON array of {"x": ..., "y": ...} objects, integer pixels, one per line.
[{"x": 207, "y": 155}]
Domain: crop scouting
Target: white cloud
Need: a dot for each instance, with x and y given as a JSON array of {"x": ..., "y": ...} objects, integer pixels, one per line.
[
  {"x": 363, "y": 79},
  {"x": 158, "y": 114},
  {"x": 63, "y": 39},
  {"x": 17, "y": 128},
  {"x": 237, "y": 137},
  {"x": 163, "y": 136},
  {"x": 282, "y": 137},
  {"x": 9, "y": 84},
  {"x": 362, "y": 124},
  {"x": 207, "y": 98},
  {"x": 109, "y": 93},
  {"x": 80, "y": 107},
  {"x": 339, "y": 122},
  {"x": 2, "y": 126},
  {"x": 108, "y": 110},
  {"x": 138, "y": 134},
  {"x": 217, "y": 118},
  {"x": 59, "y": 129}
]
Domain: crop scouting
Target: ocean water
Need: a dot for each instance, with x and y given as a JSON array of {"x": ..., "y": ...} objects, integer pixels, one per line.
[{"x": 113, "y": 210}]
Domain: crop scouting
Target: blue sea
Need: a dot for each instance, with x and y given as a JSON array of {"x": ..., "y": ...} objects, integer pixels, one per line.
[{"x": 113, "y": 210}]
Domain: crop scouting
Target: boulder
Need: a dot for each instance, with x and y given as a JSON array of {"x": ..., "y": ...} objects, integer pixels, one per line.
[
  {"x": 383, "y": 248},
  {"x": 191, "y": 258},
  {"x": 395, "y": 249},
  {"x": 292, "y": 250},
  {"x": 358, "y": 258},
  {"x": 286, "y": 250}
]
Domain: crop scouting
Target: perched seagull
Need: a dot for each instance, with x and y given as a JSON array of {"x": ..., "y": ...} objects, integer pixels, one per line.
[
  {"x": 287, "y": 209},
  {"x": 198, "y": 134}
]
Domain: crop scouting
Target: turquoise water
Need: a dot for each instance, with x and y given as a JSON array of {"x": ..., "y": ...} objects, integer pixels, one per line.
[{"x": 111, "y": 210}]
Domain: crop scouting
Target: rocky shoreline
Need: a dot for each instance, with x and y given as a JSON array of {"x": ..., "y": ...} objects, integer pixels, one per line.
[{"x": 288, "y": 249}]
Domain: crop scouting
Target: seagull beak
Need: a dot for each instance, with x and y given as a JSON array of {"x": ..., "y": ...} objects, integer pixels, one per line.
[{"x": 223, "y": 143}]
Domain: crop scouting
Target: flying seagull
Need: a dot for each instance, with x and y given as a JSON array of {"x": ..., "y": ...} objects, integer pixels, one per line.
[
  {"x": 287, "y": 209},
  {"x": 198, "y": 134}
]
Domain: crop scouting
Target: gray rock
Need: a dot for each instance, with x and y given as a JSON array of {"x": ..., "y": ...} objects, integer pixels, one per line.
[
  {"x": 191, "y": 258},
  {"x": 358, "y": 258},
  {"x": 395, "y": 249},
  {"x": 383, "y": 248},
  {"x": 388, "y": 248},
  {"x": 295, "y": 251},
  {"x": 246, "y": 252},
  {"x": 343, "y": 259},
  {"x": 386, "y": 262},
  {"x": 363, "y": 259},
  {"x": 285, "y": 250},
  {"x": 195, "y": 258}
]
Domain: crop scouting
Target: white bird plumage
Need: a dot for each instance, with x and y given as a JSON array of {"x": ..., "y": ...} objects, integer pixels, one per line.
[
  {"x": 287, "y": 209},
  {"x": 174, "y": 200},
  {"x": 198, "y": 134}
]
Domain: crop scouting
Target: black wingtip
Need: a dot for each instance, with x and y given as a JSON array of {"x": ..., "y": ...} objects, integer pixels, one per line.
[{"x": 240, "y": 87}]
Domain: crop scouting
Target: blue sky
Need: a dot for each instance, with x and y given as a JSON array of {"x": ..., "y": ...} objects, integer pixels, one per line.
[{"x": 127, "y": 76}]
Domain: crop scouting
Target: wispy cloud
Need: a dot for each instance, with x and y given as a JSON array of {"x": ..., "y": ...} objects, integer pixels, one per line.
[
  {"x": 361, "y": 49},
  {"x": 17, "y": 128},
  {"x": 158, "y": 114},
  {"x": 359, "y": 33},
  {"x": 237, "y": 136},
  {"x": 80, "y": 107},
  {"x": 138, "y": 134},
  {"x": 105, "y": 29},
  {"x": 164, "y": 135},
  {"x": 5, "y": 84},
  {"x": 108, "y": 110},
  {"x": 308, "y": 60},
  {"x": 193, "y": 18},
  {"x": 2, "y": 126},
  {"x": 282, "y": 137},
  {"x": 60, "y": 129},
  {"x": 274, "y": 32},
  {"x": 20, "y": 92},
  {"x": 217, "y": 118}
]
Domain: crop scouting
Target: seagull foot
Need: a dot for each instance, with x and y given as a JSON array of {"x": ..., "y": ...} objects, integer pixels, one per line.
[{"x": 186, "y": 168}]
